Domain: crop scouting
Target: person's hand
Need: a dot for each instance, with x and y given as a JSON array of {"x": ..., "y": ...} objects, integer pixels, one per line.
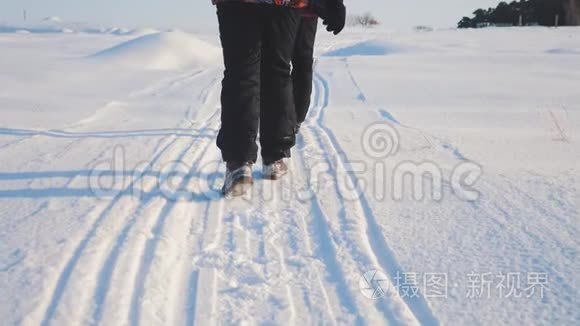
[
  {"x": 332, "y": 13},
  {"x": 335, "y": 16}
]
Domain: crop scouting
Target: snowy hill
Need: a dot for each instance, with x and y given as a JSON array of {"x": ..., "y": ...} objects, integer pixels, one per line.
[
  {"x": 435, "y": 182},
  {"x": 161, "y": 51}
]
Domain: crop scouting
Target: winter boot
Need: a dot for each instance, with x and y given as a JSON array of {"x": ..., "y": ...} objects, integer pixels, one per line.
[
  {"x": 238, "y": 179},
  {"x": 275, "y": 170}
]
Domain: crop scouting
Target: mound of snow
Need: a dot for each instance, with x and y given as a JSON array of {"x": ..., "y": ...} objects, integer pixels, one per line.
[
  {"x": 144, "y": 31},
  {"x": 366, "y": 48},
  {"x": 161, "y": 51}
]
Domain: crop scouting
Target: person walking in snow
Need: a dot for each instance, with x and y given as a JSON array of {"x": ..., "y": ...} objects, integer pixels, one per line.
[
  {"x": 333, "y": 14},
  {"x": 258, "y": 38}
]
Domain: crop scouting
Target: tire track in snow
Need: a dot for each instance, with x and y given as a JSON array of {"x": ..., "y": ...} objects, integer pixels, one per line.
[{"x": 380, "y": 250}]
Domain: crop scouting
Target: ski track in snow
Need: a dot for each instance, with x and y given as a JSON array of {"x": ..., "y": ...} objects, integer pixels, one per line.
[
  {"x": 380, "y": 250},
  {"x": 153, "y": 243},
  {"x": 95, "y": 244}
]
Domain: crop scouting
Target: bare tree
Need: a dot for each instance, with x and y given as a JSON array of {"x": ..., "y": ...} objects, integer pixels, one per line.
[{"x": 365, "y": 20}]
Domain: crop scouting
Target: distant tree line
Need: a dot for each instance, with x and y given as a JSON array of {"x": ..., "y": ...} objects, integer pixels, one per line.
[{"x": 541, "y": 12}]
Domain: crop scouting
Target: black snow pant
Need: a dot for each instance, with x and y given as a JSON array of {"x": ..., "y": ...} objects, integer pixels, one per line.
[
  {"x": 257, "y": 96},
  {"x": 302, "y": 64}
]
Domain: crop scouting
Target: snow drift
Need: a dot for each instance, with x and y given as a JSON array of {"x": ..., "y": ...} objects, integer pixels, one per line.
[
  {"x": 161, "y": 51},
  {"x": 366, "y": 48}
]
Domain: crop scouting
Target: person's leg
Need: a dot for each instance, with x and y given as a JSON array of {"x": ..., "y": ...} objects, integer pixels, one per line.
[
  {"x": 240, "y": 34},
  {"x": 278, "y": 116},
  {"x": 302, "y": 66}
]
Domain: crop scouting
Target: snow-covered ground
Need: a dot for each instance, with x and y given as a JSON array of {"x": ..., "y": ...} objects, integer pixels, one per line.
[{"x": 435, "y": 182}]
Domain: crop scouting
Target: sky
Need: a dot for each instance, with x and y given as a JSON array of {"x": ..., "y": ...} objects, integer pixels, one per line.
[{"x": 195, "y": 14}]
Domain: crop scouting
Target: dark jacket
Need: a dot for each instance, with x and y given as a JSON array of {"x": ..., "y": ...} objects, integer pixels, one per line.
[
  {"x": 291, "y": 3},
  {"x": 321, "y": 7}
]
